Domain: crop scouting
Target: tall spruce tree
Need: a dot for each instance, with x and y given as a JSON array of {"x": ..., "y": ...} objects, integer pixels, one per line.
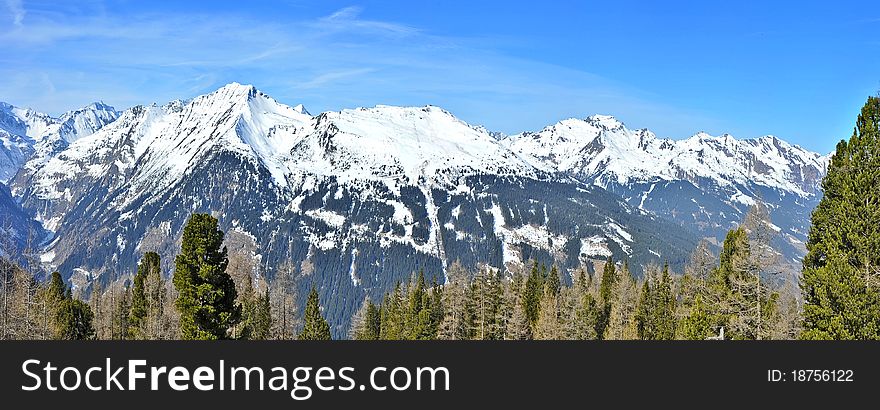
[
  {"x": 532, "y": 294},
  {"x": 206, "y": 292},
  {"x": 71, "y": 318},
  {"x": 696, "y": 325},
  {"x": 315, "y": 326},
  {"x": 842, "y": 266},
  {"x": 606, "y": 288},
  {"x": 140, "y": 299}
]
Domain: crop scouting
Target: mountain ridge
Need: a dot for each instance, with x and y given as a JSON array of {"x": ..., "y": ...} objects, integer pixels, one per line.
[{"x": 358, "y": 199}]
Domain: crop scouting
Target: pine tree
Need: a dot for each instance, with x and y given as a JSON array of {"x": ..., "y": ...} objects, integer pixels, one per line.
[
  {"x": 644, "y": 319},
  {"x": 140, "y": 303},
  {"x": 315, "y": 326},
  {"x": 248, "y": 300},
  {"x": 72, "y": 318},
  {"x": 606, "y": 286},
  {"x": 553, "y": 283},
  {"x": 664, "y": 307},
  {"x": 262, "y": 324},
  {"x": 455, "y": 324},
  {"x": 696, "y": 325},
  {"x": 842, "y": 266},
  {"x": 392, "y": 315},
  {"x": 547, "y": 326},
  {"x": 532, "y": 294},
  {"x": 206, "y": 293},
  {"x": 54, "y": 299},
  {"x": 413, "y": 322},
  {"x": 121, "y": 308}
]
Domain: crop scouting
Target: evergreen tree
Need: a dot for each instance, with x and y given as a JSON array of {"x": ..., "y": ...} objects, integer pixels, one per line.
[
  {"x": 622, "y": 319},
  {"x": 553, "y": 284},
  {"x": 74, "y": 319},
  {"x": 54, "y": 299},
  {"x": 315, "y": 326},
  {"x": 366, "y": 322},
  {"x": 249, "y": 302},
  {"x": 414, "y": 324},
  {"x": 606, "y": 286},
  {"x": 664, "y": 307},
  {"x": 121, "y": 308},
  {"x": 696, "y": 325},
  {"x": 840, "y": 277},
  {"x": 71, "y": 318},
  {"x": 262, "y": 325},
  {"x": 532, "y": 294},
  {"x": 392, "y": 315},
  {"x": 148, "y": 266},
  {"x": 586, "y": 315},
  {"x": 644, "y": 318},
  {"x": 206, "y": 292}
]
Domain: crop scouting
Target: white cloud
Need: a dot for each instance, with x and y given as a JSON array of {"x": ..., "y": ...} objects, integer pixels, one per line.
[{"x": 16, "y": 9}]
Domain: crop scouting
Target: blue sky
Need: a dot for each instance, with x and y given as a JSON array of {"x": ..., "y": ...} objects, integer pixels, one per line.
[{"x": 799, "y": 70}]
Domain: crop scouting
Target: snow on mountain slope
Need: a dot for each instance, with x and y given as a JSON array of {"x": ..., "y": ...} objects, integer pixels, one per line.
[
  {"x": 29, "y": 138},
  {"x": 149, "y": 148},
  {"x": 602, "y": 148},
  {"x": 703, "y": 182},
  {"x": 14, "y": 151},
  {"x": 402, "y": 145}
]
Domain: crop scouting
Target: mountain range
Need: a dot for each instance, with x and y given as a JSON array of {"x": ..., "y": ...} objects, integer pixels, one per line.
[{"x": 354, "y": 201}]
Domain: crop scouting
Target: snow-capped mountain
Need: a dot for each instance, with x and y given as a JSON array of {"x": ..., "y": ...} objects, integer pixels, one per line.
[
  {"x": 30, "y": 136},
  {"x": 353, "y": 201},
  {"x": 703, "y": 181}
]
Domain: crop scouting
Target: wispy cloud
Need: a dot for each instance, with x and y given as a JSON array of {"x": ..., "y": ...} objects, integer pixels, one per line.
[
  {"x": 17, "y": 11},
  {"x": 328, "y": 78},
  {"x": 349, "y": 17},
  {"x": 339, "y": 60}
]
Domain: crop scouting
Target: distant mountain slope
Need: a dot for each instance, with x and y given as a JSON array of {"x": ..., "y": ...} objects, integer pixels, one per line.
[
  {"x": 18, "y": 231},
  {"x": 703, "y": 182},
  {"x": 30, "y": 136}
]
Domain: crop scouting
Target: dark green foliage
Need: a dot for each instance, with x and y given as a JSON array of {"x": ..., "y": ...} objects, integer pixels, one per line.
[
  {"x": 315, "y": 326},
  {"x": 553, "y": 285},
  {"x": 839, "y": 285},
  {"x": 392, "y": 315},
  {"x": 606, "y": 287},
  {"x": 71, "y": 318},
  {"x": 120, "y": 320},
  {"x": 489, "y": 322},
  {"x": 207, "y": 294},
  {"x": 655, "y": 314},
  {"x": 74, "y": 318},
  {"x": 149, "y": 266},
  {"x": 532, "y": 294},
  {"x": 697, "y": 324},
  {"x": 262, "y": 324},
  {"x": 370, "y": 326}
]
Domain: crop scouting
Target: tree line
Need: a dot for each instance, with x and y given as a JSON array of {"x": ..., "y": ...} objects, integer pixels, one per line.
[
  {"x": 205, "y": 299},
  {"x": 614, "y": 304}
]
